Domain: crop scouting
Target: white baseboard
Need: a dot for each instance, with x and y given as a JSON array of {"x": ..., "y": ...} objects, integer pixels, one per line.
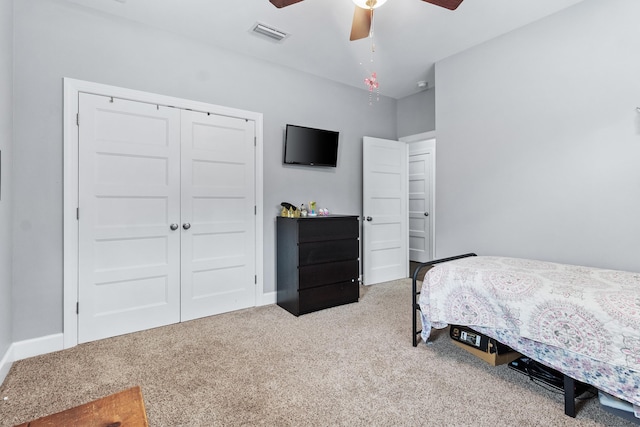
[
  {"x": 269, "y": 298},
  {"x": 37, "y": 346},
  {"x": 29, "y": 348},
  {"x": 5, "y": 363}
]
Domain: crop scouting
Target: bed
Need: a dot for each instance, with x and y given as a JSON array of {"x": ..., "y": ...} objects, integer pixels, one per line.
[{"x": 581, "y": 321}]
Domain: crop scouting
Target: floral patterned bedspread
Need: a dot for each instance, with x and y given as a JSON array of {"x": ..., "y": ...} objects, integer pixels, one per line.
[{"x": 582, "y": 321}]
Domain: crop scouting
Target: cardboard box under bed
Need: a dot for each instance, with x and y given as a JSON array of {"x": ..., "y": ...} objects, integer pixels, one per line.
[{"x": 482, "y": 346}]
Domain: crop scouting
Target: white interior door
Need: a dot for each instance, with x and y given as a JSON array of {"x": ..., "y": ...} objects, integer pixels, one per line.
[
  {"x": 385, "y": 231},
  {"x": 218, "y": 214},
  {"x": 420, "y": 207},
  {"x": 129, "y": 194}
]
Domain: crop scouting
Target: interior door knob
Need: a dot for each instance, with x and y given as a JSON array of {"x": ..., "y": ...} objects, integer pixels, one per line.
[
  {"x": 173, "y": 226},
  {"x": 369, "y": 218},
  {"x": 186, "y": 226},
  {"x": 426, "y": 214}
]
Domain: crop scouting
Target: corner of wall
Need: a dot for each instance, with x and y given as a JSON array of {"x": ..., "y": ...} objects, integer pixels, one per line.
[
  {"x": 29, "y": 348},
  {"x": 416, "y": 113},
  {"x": 6, "y": 207},
  {"x": 5, "y": 364}
]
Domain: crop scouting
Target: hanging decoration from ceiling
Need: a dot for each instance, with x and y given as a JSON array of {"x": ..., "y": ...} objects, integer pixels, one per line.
[{"x": 372, "y": 83}]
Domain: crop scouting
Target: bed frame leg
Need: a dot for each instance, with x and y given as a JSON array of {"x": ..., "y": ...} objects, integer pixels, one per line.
[
  {"x": 569, "y": 396},
  {"x": 415, "y": 293}
]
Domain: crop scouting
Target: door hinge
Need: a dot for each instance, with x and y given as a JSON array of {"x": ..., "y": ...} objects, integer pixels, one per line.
[
  {"x": 77, "y": 119},
  {"x": 78, "y": 213},
  {"x": 77, "y": 308},
  {"x": 255, "y": 141},
  {"x": 255, "y": 279},
  {"x": 255, "y": 210}
]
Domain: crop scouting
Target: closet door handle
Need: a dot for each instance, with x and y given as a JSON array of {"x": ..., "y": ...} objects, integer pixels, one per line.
[
  {"x": 174, "y": 226},
  {"x": 186, "y": 226}
]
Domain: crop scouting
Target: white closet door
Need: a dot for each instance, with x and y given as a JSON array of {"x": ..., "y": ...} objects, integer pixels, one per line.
[
  {"x": 129, "y": 195},
  {"x": 218, "y": 214}
]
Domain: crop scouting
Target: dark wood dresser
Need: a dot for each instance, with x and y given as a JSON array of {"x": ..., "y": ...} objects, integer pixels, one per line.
[{"x": 317, "y": 262}]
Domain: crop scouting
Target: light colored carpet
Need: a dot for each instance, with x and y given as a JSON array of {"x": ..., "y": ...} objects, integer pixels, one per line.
[{"x": 345, "y": 366}]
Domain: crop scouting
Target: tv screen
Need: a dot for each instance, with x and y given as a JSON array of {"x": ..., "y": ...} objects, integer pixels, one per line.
[{"x": 309, "y": 146}]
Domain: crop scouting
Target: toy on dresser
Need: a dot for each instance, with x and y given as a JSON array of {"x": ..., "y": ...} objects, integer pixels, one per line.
[{"x": 291, "y": 211}]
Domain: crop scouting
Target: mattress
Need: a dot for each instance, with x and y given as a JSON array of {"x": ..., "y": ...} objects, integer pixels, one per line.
[{"x": 582, "y": 321}]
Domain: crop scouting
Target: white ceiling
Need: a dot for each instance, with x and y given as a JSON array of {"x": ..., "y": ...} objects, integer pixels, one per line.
[{"x": 410, "y": 35}]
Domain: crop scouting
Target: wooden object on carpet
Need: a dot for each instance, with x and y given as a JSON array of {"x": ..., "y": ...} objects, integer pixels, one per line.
[{"x": 123, "y": 409}]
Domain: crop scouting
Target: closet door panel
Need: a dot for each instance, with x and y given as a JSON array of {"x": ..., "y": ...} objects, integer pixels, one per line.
[
  {"x": 129, "y": 194},
  {"x": 218, "y": 216}
]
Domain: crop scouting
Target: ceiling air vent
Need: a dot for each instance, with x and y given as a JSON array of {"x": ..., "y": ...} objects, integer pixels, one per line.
[{"x": 270, "y": 32}]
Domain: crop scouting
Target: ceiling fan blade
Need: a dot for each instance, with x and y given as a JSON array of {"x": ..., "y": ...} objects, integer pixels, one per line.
[
  {"x": 448, "y": 4},
  {"x": 283, "y": 3},
  {"x": 361, "y": 23}
]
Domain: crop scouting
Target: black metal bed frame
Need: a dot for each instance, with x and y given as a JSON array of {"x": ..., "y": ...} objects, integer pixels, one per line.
[
  {"x": 569, "y": 383},
  {"x": 416, "y": 292}
]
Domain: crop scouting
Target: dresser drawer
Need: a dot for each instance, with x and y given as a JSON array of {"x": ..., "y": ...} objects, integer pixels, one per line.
[
  {"x": 325, "y": 274},
  {"x": 319, "y": 229},
  {"x": 334, "y": 250},
  {"x": 328, "y": 296}
]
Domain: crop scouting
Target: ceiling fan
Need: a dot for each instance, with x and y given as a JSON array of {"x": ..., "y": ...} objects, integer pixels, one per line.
[{"x": 363, "y": 15}]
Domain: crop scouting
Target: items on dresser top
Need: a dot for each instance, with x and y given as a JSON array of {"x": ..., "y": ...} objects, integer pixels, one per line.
[{"x": 291, "y": 211}]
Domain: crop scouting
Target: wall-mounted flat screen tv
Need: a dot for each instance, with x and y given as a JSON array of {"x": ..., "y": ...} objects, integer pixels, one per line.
[{"x": 309, "y": 146}]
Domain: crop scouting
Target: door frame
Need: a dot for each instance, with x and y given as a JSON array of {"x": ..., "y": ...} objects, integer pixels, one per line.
[
  {"x": 426, "y": 136},
  {"x": 72, "y": 89}
]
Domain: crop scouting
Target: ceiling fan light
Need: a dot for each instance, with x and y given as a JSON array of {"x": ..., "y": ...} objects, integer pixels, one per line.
[{"x": 369, "y": 4}]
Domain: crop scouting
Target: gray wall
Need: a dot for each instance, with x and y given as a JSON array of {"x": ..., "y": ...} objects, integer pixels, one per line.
[
  {"x": 539, "y": 141},
  {"x": 417, "y": 113},
  {"x": 54, "y": 40},
  {"x": 6, "y": 137}
]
